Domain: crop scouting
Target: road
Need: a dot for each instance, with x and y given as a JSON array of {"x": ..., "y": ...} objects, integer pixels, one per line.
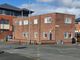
[
  {"x": 9, "y": 56},
  {"x": 48, "y": 52}
]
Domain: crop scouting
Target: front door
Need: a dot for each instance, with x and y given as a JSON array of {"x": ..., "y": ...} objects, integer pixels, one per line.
[{"x": 50, "y": 36}]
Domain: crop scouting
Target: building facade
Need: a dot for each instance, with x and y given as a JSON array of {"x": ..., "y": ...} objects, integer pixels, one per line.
[
  {"x": 46, "y": 28},
  {"x": 77, "y": 29},
  {"x": 7, "y": 14},
  {"x": 5, "y": 26}
]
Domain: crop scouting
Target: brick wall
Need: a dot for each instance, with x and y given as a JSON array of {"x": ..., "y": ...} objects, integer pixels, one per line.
[
  {"x": 56, "y": 28},
  {"x": 9, "y": 32}
]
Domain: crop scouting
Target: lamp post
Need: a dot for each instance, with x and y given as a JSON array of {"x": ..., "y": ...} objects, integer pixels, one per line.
[
  {"x": 29, "y": 24},
  {"x": 56, "y": 29}
]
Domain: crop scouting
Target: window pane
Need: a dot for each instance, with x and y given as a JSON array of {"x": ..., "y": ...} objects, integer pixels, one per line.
[
  {"x": 7, "y": 12},
  {"x": 5, "y": 26},
  {"x": 25, "y": 22},
  {"x": 44, "y": 34},
  {"x": 25, "y": 34},
  {"x": 47, "y": 20},
  {"x": 35, "y": 21},
  {"x": 3, "y": 21},
  {"x": 35, "y": 34},
  {"x": 68, "y": 20},
  {"x": 1, "y": 11},
  {"x": 20, "y": 22},
  {"x": 66, "y": 35},
  {"x": 70, "y": 35},
  {"x": 16, "y": 22}
]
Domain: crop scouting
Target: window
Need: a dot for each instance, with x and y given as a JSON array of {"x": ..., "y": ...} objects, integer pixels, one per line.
[
  {"x": 5, "y": 26},
  {"x": 35, "y": 34},
  {"x": 1, "y": 11},
  {"x": 67, "y": 35},
  {"x": 9, "y": 36},
  {"x": 76, "y": 22},
  {"x": 68, "y": 20},
  {"x": 35, "y": 21},
  {"x": 25, "y": 22},
  {"x": 7, "y": 12},
  {"x": 4, "y": 21},
  {"x": 70, "y": 35},
  {"x": 20, "y": 22},
  {"x": 47, "y": 20},
  {"x": 44, "y": 34},
  {"x": 25, "y": 34},
  {"x": 16, "y": 22}
]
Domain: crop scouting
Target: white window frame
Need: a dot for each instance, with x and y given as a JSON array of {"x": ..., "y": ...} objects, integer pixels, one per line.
[
  {"x": 35, "y": 34},
  {"x": 47, "y": 20},
  {"x": 65, "y": 35},
  {"x": 68, "y": 20},
  {"x": 5, "y": 26},
  {"x": 43, "y": 34},
  {"x": 25, "y": 22},
  {"x": 25, "y": 34},
  {"x": 35, "y": 21},
  {"x": 17, "y": 22},
  {"x": 71, "y": 34},
  {"x": 20, "y": 22}
]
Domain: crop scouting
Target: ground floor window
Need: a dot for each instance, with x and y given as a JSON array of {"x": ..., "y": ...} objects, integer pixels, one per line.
[
  {"x": 35, "y": 34},
  {"x": 47, "y": 35},
  {"x": 25, "y": 34},
  {"x": 70, "y": 35},
  {"x": 67, "y": 35},
  {"x": 44, "y": 34}
]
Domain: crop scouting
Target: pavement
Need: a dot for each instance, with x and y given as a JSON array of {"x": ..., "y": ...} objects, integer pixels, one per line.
[{"x": 48, "y": 52}]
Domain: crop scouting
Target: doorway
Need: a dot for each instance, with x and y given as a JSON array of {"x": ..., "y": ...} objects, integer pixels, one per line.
[
  {"x": 77, "y": 35},
  {"x": 50, "y": 36}
]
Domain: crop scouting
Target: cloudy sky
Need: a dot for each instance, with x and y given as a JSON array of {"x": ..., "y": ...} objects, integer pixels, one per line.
[{"x": 48, "y": 6}]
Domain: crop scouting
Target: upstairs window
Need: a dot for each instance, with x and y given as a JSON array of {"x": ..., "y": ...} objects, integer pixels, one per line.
[
  {"x": 17, "y": 22},
  {"x": 20, "y": 22},
  {"x": 1, "y": 11},
  {"x": 3, "y": 21},
  {"x": 35, "y": 21},
  {"x": 4, "y": 24},
  {"x": 47, "y": 20},
  {"x": 25, "y": 22},
  {"x": 68, "y": 20}
]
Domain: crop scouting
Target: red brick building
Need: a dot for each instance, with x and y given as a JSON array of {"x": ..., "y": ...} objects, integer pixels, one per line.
[
  {"x": 7, "y": 14},
  {"x": 5, "y": 26},
  {"x": 46, "y": 28}
]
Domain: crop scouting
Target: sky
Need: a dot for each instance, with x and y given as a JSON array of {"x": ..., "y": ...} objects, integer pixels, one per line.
[{"x": 47, "y": 6}]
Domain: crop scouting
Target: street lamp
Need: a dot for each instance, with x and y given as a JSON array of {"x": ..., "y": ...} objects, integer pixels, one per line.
[{"x": 29, "y": 23}]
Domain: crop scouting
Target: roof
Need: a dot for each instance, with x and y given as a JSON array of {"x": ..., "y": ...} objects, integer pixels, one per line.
[
  {"x": 10, "y": 7},
  {"x": 26, "y": 10},
  {"x": 38, "y": 13},
  {"x": 78, "y": 20},
  {"x": 7, "y": 6}
]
